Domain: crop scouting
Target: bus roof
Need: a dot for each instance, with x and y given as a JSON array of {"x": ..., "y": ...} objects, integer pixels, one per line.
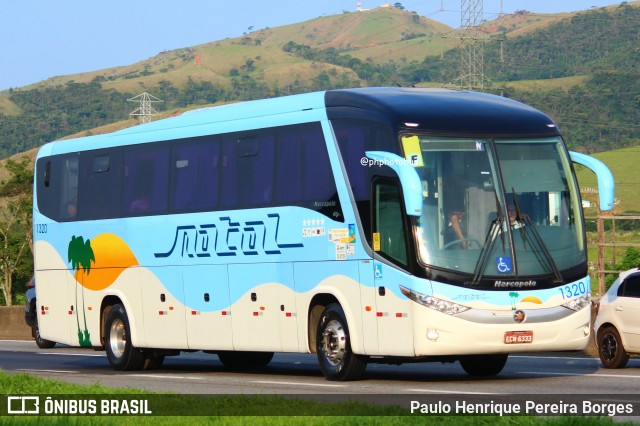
[
  {"x": 436, "y": 111},
  {"x": 444, "y": 111}
]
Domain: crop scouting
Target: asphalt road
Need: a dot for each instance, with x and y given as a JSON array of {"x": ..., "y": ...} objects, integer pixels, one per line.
[{"x": 199, "y": 373}]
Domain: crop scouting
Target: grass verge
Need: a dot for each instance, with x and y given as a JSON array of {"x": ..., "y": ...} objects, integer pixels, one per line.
[{"x": 271, "y": 410}]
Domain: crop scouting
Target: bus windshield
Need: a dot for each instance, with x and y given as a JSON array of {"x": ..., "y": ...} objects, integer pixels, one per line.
[{"x": 502, "y": 209}]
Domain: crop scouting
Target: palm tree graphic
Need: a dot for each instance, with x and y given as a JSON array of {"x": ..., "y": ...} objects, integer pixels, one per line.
[
  {"x": 80, "y": 255},
  {"x": 514, "y": 296}
]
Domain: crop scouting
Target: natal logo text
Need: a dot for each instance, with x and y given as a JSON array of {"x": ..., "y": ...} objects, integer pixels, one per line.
[{"x": 229, "y": 238}]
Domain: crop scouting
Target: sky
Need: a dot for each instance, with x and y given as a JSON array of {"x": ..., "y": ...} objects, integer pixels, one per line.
[{"x": 44, "y": 38}]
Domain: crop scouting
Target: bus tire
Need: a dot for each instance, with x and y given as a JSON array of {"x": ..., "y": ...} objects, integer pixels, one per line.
[
  {"x": 483, "y": 365},
  {"x": 239, "y": 360},
  {"x": 152, "y": 361},
  {"x": 610, "y": 348},
  {"x": 120, "y": 352},
  {"x": 42, "y": 343},
  {"x": 333, "y": 347}
]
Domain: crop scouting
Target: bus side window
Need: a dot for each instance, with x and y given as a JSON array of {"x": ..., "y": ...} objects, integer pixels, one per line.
[
  {"x": 388, "y": 220},
  {"x": 69, "y": 188},
  {"x": 100, "y": 195},
  {"x": 195, "y": 175},
  {"x": 146, "y": 179}
]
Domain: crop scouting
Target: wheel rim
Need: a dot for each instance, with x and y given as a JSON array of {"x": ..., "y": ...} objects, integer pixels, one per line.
[
  {"x": 334, "y": 342},
  {"x": 117, "y": 338},
  {"x": 609, "y": 347}
]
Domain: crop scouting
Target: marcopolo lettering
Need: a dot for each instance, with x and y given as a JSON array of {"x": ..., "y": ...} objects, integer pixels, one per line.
[{"x": 517, "y": 284}]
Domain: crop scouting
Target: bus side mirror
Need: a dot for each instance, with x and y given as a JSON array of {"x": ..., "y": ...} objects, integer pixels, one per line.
[
  {"x": 605, "y": 178},
  {"x": 409, "y": 179}
]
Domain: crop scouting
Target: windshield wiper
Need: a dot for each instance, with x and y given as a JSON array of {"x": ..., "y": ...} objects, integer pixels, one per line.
[
  {"x": 496, "y": 228},
  {"x": 499, "y": 227},
  {"x": 530, "y": 225},
  {"x": 525, "y": 220}
]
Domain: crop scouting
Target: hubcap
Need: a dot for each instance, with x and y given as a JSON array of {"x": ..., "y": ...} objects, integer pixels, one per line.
[
  {"x": 117, "y": 338},
  {"x": 609, "y": 347},
  {"x": 334, "y": 342}
]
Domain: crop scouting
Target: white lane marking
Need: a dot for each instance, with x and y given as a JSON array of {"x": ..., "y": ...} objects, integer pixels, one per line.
[
  {"x": 31, "y": 370},
  {"x": 556, "y": 357},
  {"x": 559, "y": 373},
  {"x": 163, "y": 376},
  {"x": 454, "y": 392},
  {"x": 67, "y": 354},
  {"x": 274, "y": 382}
]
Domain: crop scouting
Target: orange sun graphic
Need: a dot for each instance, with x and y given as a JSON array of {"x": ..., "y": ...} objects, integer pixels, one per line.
[{"x": 112, "y": 257}]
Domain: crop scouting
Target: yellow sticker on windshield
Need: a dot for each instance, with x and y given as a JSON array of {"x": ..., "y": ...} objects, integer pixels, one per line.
[
  {"x": 412, "y": 151},
  {"x": 376, "y": 241}
]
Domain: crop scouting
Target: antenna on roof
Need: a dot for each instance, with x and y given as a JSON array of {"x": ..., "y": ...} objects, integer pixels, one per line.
[{"x": 145, "y": 111}]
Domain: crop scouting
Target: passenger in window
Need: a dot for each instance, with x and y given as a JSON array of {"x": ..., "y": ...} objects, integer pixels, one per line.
[
  {"x": 140, "y": 204},
  {"x": 454, "y": 231},
  {"x": 454, "y": 235},
  {"x": 515, "y": 222},
  {"x": 72, "y": 210}
]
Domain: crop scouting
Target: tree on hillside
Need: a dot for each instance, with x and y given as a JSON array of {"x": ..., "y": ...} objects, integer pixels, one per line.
[{"x": 15, "y": 224}]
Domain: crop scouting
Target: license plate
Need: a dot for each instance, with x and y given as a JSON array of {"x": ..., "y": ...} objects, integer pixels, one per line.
[{"x": 511, "y": 337}]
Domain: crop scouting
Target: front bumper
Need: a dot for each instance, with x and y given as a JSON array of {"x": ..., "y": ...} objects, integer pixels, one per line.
[{"x": 436, "y": 333}]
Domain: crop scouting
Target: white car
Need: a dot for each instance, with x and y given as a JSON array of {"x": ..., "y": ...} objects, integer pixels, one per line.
[{"x": 617, "y": 325}]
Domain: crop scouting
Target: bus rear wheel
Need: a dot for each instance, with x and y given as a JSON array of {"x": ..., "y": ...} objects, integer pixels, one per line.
[
  {"x": 333, "y": 347},
  {"x": 238, "y": 360},
  {"x": 117, "y": 333},
  {"x": 483, "y": 365},
  {"x": 42, "y": 343}
]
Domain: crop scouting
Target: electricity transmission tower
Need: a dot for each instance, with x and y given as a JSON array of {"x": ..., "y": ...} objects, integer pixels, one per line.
[
  {"x": 145, "y": 111},
  {"x": 472, "y": 36},
  {"x": 472, "y": 40}
]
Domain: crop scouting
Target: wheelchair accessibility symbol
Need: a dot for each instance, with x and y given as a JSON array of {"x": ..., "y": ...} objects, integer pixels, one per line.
[
  {"x": 378, "y": 271},
  {"x": 503, "y": 265}
]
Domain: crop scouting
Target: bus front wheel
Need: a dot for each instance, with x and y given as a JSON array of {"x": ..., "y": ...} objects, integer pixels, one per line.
[
  {"x": 483, "y": 365},
  {"x": 120, "y": 351},
  {"x": 333, "y": 347}
]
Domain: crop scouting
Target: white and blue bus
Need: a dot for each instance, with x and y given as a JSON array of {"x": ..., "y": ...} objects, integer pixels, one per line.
[{"x": 381, "y": 225}]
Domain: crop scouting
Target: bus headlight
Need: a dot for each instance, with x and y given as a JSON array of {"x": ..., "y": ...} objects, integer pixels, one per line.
[
  {"x": 434, "y": 303},
  {"x": 579, "y": 302}
]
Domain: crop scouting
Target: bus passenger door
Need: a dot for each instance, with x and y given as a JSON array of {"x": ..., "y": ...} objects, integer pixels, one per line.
[
  {"x": 393, "y": 310},
  {"x": 206, "y": 293},
  {"x": 368, "y": 302}
]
